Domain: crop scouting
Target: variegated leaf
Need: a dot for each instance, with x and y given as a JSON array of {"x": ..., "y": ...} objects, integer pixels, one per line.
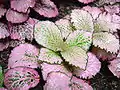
[
  {"x": 106, "y": 41},
  {"x": 104, "y": 23},
  {"x": 65, "y": 27},
  {"x": 49, "y": 56},
  {"x": 21, "y": 78},
  {"x": 92, "y": 68},
  {"x": 47, "y": 34},
  {"x": 82, "y": 20},
  {"x": 75, "y": 56},
  {"x": 80, "y": 38}
]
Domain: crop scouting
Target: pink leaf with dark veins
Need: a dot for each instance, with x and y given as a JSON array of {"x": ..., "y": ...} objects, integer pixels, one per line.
[
  {"x": 21, "y": 78},
  {"x": 22, "y": 5},
  {"x": 22, "y": 31},
  {"x": 16, "y": 17},
  {"x": 23, "y": 55},
  {"x": 46, "y": 8},
  {"x": 2, "y": 11},
  {"x": 3, "y": 30}
]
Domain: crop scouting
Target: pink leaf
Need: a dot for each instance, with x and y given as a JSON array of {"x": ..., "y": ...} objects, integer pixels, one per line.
[
  {"x": 94, "y": 11},
  {"x": 14, "y": 43},
  {"x": 46, "y": 8},
  {"x": 23, "y": 55},
  {"x": 3, "y": 30},
  {"x": 93, "y": 67},
  {"x": 3, "y": 45},
  {"x": 21, "y": 78},
  {"x": 114, "y": 67},
  {"x": 48, "y": 68},
  {"x": 2, "y": 11},
  {"x": 22, "y": 31},
  {"x": 86, "y": 1},
  {"x": 78, "y": 84},
  {"x": 16, "y": 17},
  {"x": 112, "y": 9},
  {"x": 22, "y": 5},
  {"x": 57, "y": 81}
]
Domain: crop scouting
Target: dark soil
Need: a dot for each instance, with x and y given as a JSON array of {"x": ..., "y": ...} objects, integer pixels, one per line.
[{"x": 104, "y": 80}]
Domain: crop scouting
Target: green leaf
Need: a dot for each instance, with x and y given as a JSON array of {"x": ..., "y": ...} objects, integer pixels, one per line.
[
  {"x": 80, "y": 38},
  {"x": 106, "y": 41},
  {"x": 1, "y": 77},
  {"x": 47, "y": 34},
  {"x": 82, "y": 20},
  {"x": 75, "y": 56},
  {"x": 49, "y": 56}
]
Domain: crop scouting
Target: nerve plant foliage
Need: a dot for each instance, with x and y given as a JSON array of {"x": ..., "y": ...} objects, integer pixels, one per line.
[{"x": 19, "y": 9}]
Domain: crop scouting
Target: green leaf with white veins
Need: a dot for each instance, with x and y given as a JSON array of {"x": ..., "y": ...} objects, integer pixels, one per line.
[
  {"x": 49, "y": 56},
  {"x": 80, "y": 38},
  {"x": 82, "y": 20},
  {"x": 47, "y": 34},
  {"x": 75, "y": 56},
  {"x": 106, "y": 41}
]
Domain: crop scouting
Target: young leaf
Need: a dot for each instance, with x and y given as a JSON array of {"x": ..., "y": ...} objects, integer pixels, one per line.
[
  {"x": 49, "y": 56},
  {"x": 92, "y": 68},
  {"x": 16, "y": 17},
  {"x": 23, "y": 55},
  {"x": 3, "y": 30},
  {"x": 104, "y": 23},
  {"x": 57, "y": 81},
  {"x": 82, "y": 20},
  {"x": 47, "y": 34},
  {"x": 78, "y": 84},
  {"x": 22, "y": 5},
  {"x": 65, "y": 27},
  {"x": 48, "y": 68},
  {"x": 46, "y": 8},
  {"x": 80, "y": 38},
  {"x": 21, "y": 78},
  {"x": 106, "y": 41},
  {"x": 1, "y": 77},
  {"x": 75, "y": 56}
]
